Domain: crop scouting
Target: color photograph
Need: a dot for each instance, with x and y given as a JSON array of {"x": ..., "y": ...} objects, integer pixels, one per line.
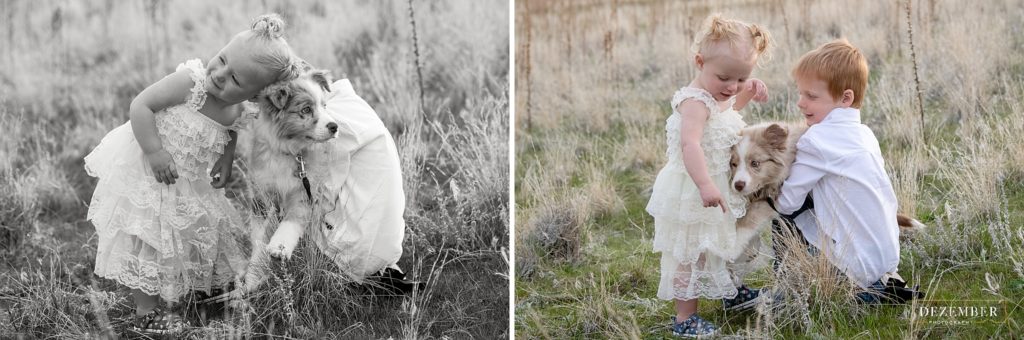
[{"x": 768, "y": 169}]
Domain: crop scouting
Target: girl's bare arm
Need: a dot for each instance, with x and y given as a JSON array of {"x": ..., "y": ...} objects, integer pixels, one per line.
[
  {"x": 171, "y": 90},
  {"x": 753, "y": 89},
  {"x": 694, "y": 117}
]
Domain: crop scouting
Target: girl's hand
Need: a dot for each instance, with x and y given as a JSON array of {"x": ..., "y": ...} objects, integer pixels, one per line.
[
  {"x": 221, "y": 171},
  {"x": 163, "y": 166},
  {"x": 754, "y": 89},
  {"x": 758, "y": 88},
  {"x": 712, "y": 197}
]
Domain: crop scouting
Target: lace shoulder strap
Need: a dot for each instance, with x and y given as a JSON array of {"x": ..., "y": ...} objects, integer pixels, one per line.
[
  {"x": 694, "y": 93},
  {"x": 198, "y": 73}
]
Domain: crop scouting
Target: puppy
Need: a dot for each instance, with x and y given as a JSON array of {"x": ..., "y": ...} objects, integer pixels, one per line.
[
  {"x": 327, "y": 162},
  {"x": 760, "y": 164},
  {"x": 292, "y": 119}
]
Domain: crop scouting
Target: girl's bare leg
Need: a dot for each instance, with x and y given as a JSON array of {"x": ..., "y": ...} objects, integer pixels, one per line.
[
  {"x": 144, "y": 303},
  {"x": 685, "y": 308}
]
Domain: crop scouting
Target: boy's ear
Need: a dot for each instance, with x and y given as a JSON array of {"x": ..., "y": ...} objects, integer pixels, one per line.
[
  {"x": 322, "y": 78},
  {"x": 848, "y": 98},
  {"x": 699, "y": 60}
]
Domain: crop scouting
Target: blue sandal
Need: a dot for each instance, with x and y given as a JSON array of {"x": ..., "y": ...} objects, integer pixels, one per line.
[
  {"x": 693, "y": 327},
  {"x": 746, "y": 298}
]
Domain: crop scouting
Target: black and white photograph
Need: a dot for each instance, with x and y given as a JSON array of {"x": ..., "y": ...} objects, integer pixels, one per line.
[{"x": 184, "y": 169}]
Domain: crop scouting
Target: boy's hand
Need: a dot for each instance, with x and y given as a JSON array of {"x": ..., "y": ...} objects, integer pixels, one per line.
[
  {"x": 163, "y": 166},
  {"x": 758, "y": 88},
  {"x": 712, "y": 197},
  {"x": 221, "y": 170}
]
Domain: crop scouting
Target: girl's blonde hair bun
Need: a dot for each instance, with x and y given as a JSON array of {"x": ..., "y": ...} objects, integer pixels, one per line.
[
  {"x": 717, "y": 29},
  {"x": 268, "y": 26}
]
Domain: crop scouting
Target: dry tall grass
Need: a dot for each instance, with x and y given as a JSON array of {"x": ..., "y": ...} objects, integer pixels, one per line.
[
  {"x": 68, "y": 70},
  {"x": 601, "y": 75}
]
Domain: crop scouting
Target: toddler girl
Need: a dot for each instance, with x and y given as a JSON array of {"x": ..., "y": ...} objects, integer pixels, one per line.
[
  {"x": 160, "y": 222},
  {"x": 694, "y": 211}
]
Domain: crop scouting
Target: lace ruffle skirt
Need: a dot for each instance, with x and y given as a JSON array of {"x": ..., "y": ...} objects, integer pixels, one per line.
[
  {"x": 693, "y": 240},
  {"x": 161, "y": 239}
]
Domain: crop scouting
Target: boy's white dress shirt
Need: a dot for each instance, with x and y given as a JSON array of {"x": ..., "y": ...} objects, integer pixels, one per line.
[
  {"x": 368, "y": 224},
  {"x": 854, "y": 220}
]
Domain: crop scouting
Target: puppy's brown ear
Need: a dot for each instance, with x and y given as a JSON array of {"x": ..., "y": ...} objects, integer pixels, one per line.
[
  {"x": 776, "y": 136},
  {"x": 278, "y": 95},
  {"x": 322, "y": 78}
]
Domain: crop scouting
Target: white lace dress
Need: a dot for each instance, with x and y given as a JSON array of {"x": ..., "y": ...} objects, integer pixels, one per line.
[
  {"x": 165, "y": 239},
  {"x": 694, "y": 240}
]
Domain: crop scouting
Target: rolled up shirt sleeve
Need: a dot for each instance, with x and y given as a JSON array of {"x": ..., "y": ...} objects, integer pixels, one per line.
[{"x": 807, "y": 169}]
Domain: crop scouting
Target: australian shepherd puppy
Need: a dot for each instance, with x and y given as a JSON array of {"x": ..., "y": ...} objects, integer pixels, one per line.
[
  {"x": 292, "y": 118},
  {"x": 760, "y": 164}
]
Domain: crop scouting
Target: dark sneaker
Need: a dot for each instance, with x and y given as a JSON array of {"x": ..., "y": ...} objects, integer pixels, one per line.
[
  {"x": 693, "y": 327},
  {"x": 391, "y": 281},
  {"x": 746, "y": 298},
  {"x": 874, "y": 294}
]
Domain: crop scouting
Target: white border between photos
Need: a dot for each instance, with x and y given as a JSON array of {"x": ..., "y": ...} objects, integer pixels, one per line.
[{"x": 511, "y": 168}]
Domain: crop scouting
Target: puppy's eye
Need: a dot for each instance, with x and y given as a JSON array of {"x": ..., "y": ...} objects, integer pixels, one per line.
[
  {"x": 306, "y": 110},
  {"x": 732, "y": 164},
  {"x": 755, "y": 164}
]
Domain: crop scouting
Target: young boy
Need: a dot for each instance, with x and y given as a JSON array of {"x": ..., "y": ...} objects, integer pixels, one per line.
[{"x": 838, "y": 158}]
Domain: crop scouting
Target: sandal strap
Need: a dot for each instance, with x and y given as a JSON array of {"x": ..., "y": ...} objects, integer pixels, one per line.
[
  {"x": 143, "y": 321},
  {"x": 171, "y": 321},
  {"x": 160, "y": 322},
  {"x": 693, "y": 326}
]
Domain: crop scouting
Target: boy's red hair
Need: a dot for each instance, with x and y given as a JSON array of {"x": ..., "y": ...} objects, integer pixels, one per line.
[{"x": 840, "y": 65}]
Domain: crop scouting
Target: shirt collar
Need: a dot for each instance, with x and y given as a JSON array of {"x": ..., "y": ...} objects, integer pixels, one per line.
[{"x": 843, "y": 115}]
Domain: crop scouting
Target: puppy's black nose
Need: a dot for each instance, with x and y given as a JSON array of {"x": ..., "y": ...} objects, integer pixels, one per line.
[
  {"x": 739, "y": 185},
  {"x": 332, "y": 127}
]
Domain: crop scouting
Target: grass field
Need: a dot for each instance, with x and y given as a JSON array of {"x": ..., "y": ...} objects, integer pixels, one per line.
[
  {"x": 593, "y": 83},
  {"x": 69, "y": 69}
]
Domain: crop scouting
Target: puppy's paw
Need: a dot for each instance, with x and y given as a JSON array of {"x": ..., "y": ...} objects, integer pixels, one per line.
[
  {"x": 284, "y": 240},
  {"x": 280, "y": 251}
]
